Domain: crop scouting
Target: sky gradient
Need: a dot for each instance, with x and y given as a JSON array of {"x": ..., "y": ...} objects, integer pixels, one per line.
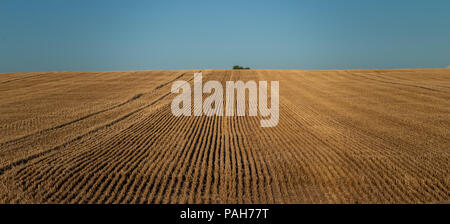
[{"x": 95, "y": 35}]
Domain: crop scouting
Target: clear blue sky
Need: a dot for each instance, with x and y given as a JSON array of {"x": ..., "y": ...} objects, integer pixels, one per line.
[{"x": 61, "y": 35}]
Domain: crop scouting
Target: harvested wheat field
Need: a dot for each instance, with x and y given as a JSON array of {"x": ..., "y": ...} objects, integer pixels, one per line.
[{"x": 348, "y": 136}]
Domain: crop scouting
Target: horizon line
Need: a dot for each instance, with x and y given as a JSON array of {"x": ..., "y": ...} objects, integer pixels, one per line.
[{"x": 201, "y": 69}]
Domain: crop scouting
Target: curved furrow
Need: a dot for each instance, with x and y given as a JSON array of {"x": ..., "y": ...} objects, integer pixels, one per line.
[
  {"x": 134, "y": 154},
  {"x": 164, "y": 138},
  {"x": 173, "y": 165},
  {"x": 42, "y": 153},
  {"x": 55, "y": 128},
  {"x": 161, "y": 157},
  {"x": 151, "y": 169},
  {"x": 97, "y": 153}
]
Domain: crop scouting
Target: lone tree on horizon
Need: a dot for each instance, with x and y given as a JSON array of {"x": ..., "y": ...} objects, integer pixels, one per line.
[{"x": 239, "y": 67}]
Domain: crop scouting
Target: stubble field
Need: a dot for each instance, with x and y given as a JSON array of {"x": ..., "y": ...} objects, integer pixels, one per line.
[{"x": 344, "y": 136}]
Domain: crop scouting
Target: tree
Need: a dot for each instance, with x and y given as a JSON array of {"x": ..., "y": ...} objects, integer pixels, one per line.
[{"x": 239, "y": 67}]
